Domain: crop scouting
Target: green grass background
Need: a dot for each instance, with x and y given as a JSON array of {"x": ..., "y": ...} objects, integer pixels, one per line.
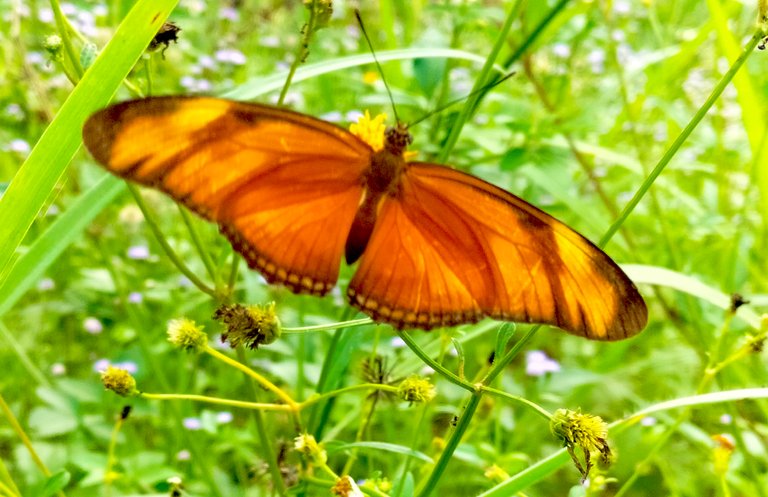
[{"x": 608, "y": 101}]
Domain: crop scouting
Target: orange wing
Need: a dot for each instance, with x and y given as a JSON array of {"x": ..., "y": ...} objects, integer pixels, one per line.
[
  {"x": 283, "y": 187},
  {"x": 449, "y": 248}
]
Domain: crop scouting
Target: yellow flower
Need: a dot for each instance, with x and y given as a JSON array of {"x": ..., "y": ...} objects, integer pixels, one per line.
[
  {"x": 496, "y": 474},
  {"x": 371, "y": 131},
  {"x": 589, "y": 432},
  {"x": 370, "y": 77},
  {"x": 307, "y": 445}
]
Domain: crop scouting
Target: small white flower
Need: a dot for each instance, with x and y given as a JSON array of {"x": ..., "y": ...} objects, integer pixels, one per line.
[
  {"x": 138, "y": 252},
  {"x": 192, "y": 424},
  {"x": 231, "y": 56},
  {"x": 93, "y": 325},
  {"x": 538, "y": 363}
]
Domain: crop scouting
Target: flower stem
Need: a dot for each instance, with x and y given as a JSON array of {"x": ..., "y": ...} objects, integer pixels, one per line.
[
  {"x": 291, "y": 404},
  {"x": 683, "y": 136},
  {"x": 261, "y": 406}
]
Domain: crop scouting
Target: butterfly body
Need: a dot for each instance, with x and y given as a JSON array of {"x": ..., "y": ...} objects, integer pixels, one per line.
[
  {"x": 433, "y": 246},
  {"x": 381, "y": 180}
]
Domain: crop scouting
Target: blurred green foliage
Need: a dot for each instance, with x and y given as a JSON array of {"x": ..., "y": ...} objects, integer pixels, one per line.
[{"x": 598, "y": 98}]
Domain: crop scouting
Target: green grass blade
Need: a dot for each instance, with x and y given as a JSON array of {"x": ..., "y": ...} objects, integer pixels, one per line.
[
  {"x": 36, "y": 178},
  {"x": 46, "y": 249},
  {"x": 529, "y": 477},
  {"x": 660, "y": 276},
  {"x": 385, "y": 447},
  {"x": 751, "y": 101},
  {"x": 259, "y": 86}
]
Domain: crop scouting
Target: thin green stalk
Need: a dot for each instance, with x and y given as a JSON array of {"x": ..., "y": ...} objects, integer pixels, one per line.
[
  {"x": 24, "y": 358},
  {"x": 263, "y": 381},
  {"x": 6, "y": 492},
  {"x": 315, "y": 424},
  {"x": 473, "y": 102},
  {"x": 65, "y": 29},
  {"x": 204, "y": 255},
  {"x": 148, "y": 72},
  {"x": 672, "y": 151},
  {"x": 477, "y": 393},
  {"x": 499, "y": 365},
  {"x": 439, "y": 368},
  {"x": 17, "y": 428},
  {"x": 330, "y": 326},
  {"x": 418, "y": 431},
  {"x": 301, "y": 51},
  {"x": 706, "y": 379},
  {"x": 145, "y": 345},
  {"x": 352, "y": 388},
  {"x": 9, "y": 486},
  {"x": 152, "y": 223},
  {"x": 534, "y": 35},
  {"x": 233, "y": 268},
  {"x": 369, "y": 407},
  {"x": 450, "y": 447},
  {"x": 109, "y": 475},
  {"x": 241, "y": 404},
  {"x": 267, "y": 449},
  {"x": 481, "y": 80},
  {"x": 522, "y": 400},
  {"x": 640, "y": 148}
]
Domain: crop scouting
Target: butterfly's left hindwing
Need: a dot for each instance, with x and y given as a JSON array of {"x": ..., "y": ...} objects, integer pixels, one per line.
[
  {"x": 484, "y": 252},
  {"x": 284, "y": 187}
]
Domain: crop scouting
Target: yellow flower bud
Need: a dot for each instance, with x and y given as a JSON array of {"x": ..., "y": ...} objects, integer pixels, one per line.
[
  {"x": 119, "y": 381},
  {"x": 415, "y": 389}
]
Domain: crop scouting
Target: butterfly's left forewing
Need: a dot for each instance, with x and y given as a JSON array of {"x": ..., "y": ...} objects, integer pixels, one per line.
[
  {"x": 485, "y": 252},
  {"x": 283, "y": 187}
]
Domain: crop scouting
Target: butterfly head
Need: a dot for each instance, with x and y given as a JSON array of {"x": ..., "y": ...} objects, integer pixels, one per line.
[{"x": 397, "y": 139}]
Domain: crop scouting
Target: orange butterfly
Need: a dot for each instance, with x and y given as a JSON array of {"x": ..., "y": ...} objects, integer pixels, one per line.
[{"x": 434, "y": 246}]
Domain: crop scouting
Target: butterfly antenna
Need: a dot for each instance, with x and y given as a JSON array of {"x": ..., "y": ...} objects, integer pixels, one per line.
[
  {"x": 464, "y": 98},
  {"x": 378, "y": 66}
]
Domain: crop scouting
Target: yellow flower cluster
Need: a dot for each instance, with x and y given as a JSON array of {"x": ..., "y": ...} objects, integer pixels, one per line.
[{"x": 371, "y": 131}]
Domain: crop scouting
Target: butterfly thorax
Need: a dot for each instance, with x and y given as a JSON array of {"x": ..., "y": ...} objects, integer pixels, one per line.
[{"x": 387, "y": 164}]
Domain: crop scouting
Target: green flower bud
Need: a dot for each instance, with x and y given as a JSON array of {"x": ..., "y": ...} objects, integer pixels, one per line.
[{"x": 185, "y": 334}]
